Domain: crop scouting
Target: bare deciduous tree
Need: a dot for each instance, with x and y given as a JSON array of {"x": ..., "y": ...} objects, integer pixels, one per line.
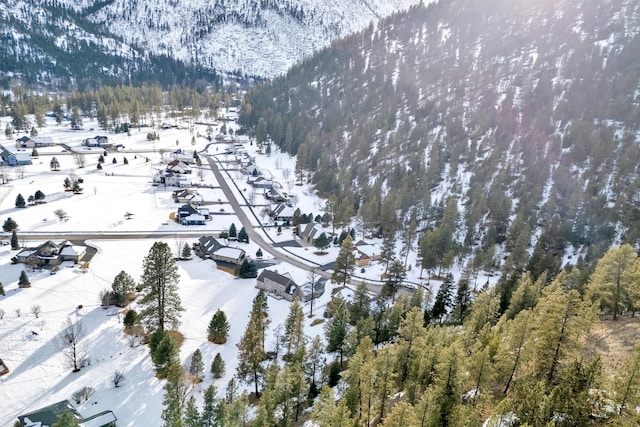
[
  {"x": 1, "y": 314},
  {"x": 61, "y": 214},
  {"x": 35, "y": 310},
  {"x": 118, "y": 377},
  {"x": 69, "y": 342},
  {"x": 18, "y": 312},
  {"x": 80, "y": 159}
]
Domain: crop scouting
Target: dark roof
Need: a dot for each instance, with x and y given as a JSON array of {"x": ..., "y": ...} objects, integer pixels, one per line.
[
  {"x": 209, "y": 244},
  {"x": 49, "y": 414},
  {"x": 189, "y": 209},
  {"x": 275, "y": 277}
]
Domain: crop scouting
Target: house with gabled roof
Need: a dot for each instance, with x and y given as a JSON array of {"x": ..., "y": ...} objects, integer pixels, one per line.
[
  {"x": 178, "y": 166},
  {"x": 15, "y": 157},
  {"x": 189, "y": 214},
  {"x": 188, "y": 195},
  {"x": 49, "y": 415},
  {"x": 283, "y": 286},
  {"x": 366, "y": 253},
  {"x": 311, "y": 232},
  {"x": 282, "y": 212},
  {"x": 50, "y": 254},
  {"x": 34, "y": 142},
  {"x": 229, "y": 255},
  {"x": 206, "y": 246}
]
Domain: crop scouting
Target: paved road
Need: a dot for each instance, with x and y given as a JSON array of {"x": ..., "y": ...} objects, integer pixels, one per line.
[{"x": 248, "y": 225}]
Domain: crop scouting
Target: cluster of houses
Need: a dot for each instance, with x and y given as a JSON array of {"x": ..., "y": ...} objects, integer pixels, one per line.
[{"x": 49, "y": 415}]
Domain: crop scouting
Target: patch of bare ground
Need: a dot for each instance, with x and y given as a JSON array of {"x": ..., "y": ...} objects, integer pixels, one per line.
[{"x": 614, "y": 340}]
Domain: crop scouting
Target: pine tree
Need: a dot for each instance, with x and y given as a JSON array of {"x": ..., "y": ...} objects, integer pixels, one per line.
[
  {"x": 24, "y": 282},
  {"x": 294, "y": 338},
  {"x": 208, "y": 417},
  {"x": 251, "y": 351},
  {"x": 345, "y": 262},
  {"x": 217, "y": 366},
  {"x": 627, "y": 386},
  {"x": 443, "y": 299},
  {"x": 336, "y": 328},
  {"x": 186, "y": 252},
  {"x": 165, "y": 355},
  {"x": 321, "y": 243},
  {"x": 191, "y": 416},
  {"x": 218, "y": 330},
  {"x": 130, "y": 318},
  {"x": 14, "y": 240},
  {"x": 9, "y": 225},
  {"x": 1, "y": 289},
  {"x": 196, "y": 368},
  {"x": 39, "y": 196},
  {"x": 232, "y": 231},
  {"x": 160, "y": 302},
  {"x": 395, "y": 276},
  {"x": 243, "y": 236},
  {"x": 360, "y": 306},
  {"x": 67, "y": 419},
  {"x": 175, "y": 392},
  {"x": 123, "y": 284},
  {"x": 248, "y": 269},
  {"x": 20, "y": 203},
  {"x": 615, "y": 283},
  {"x": 55, "y": 164}
]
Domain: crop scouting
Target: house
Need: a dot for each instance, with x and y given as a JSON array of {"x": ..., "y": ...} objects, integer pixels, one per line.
[
  {"x": 49, "y": 415},
  {"x": 97, "y": 141},
  {"x": 206, "y": 246},
  {"x": 34, "y": 142},
  {"x": 188, "y": 196},
  {"x": 15, "y": 158},
  {"x": 275, "y": 195},
  {"x": 230, "y": 255},
  {"x": 259, "y": 181},
  {"x": 171, "y": 179},
  {"x": 189, "y": 214},
  {"x": 311, "y": 232},
  {"x": 178, "y": 167},
  {"x": 185, "y": 156},
  {"x": 251, "y": 169},
  {"x": 282, "y": 212},
  {"x": 283, "y": 286},
  {"x": 366, "y": 253},
  {"x": 50, "y": 254}
]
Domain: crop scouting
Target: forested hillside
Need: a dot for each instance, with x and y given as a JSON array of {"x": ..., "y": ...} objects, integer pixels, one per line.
[{"x": 522, "y": 116}]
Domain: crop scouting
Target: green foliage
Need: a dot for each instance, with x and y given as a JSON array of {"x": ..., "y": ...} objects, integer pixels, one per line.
[
  {"x": 322, "y": 242},
  {"x": 196, "y": 367},
  {"x": 130, "y": 318},
  {"x": 218, "y": 330},
  {"x": 243, "y": 236},
  {"x": 217, "y": 366},
  {"x": 23, "y": 281},
  {"x": 9, "y": 225},
  {"x": 248, "y": 270},
  {"x": 160, "y": 303},
  {"x": 14, "y": 240},
  {"x": 232, "y": 231},
  {"x": 67, "y": 419},
  {"x": 123, "y": 284},
  {"x": 186, "y": 252},
  {"x": 345, "y": 262}
]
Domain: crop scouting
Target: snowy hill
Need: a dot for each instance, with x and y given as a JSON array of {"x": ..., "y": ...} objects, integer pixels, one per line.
[{"x": 134, "y": 41}]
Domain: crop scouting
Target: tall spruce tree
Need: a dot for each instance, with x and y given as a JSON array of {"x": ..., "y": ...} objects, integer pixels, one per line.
[
  {"x": 160, "y": 302},
  {"x": 251, "y": 352},
  {"x": 14, "y": 240},
  {"x": 123, "y": 284},
  {"x": 345, "y": 262},
  {"x": 336, "y": 328},
  {"x": 20, "y": 203},
  {"x": 218, "y": 330},
  {"x": 23, "y": 281},
  {"x": 217, "y": 366},
  {"x": 196, "y": 367},
  {"x": 175, "y": 393}
]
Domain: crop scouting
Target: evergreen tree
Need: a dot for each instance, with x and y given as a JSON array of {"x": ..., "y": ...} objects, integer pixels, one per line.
[
  {"x": 321, "y": 243},
  {"x": 360, "y": 306},
  {"x": 24, "y": 282},
  {"x": 627, "y": 386},
  {"x": 175, "y": 392},
  {"x": 248, "y": 269},
  {"x": 217, "y": 366},
  {"x": 191, "y": 416},
  {"x": 39, "y": 196},
  {"x": 243, "y": 236},
  {"x": 67, "y": 419},
  {"x": 336, "y": 328},
  {"x": 123, "y": 284},
  {"x": 208, "y": 417},
  {"x": 165, "y": 354},
  {"x": 186, "y": 252},
  {"x": 34, "y": 153},
  {"x": 232, "y": 231},
  {"x": 615, "y": 283},
  {"x": 294, "y": 338},
  {"x": 1, "y": 289},
  {"x": 14, "y": 240},
  {"x": 259, "y": 253},
  {"x": 251, "y": 353},
  {"x": 395, "y": 276},
  {"x": 130, "y": 318},
  {"x": 20, "y": 203},
  {"x": 160, "y": 302},
  {"x": 443, "y": 300},
  {"x": 218, "y": 330},
  {"x": 345, "y": 262},
  {"x": 196, "y": 368},
  {"x": 55, "y": 164},
  {"x": 9, "y": 225}
]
